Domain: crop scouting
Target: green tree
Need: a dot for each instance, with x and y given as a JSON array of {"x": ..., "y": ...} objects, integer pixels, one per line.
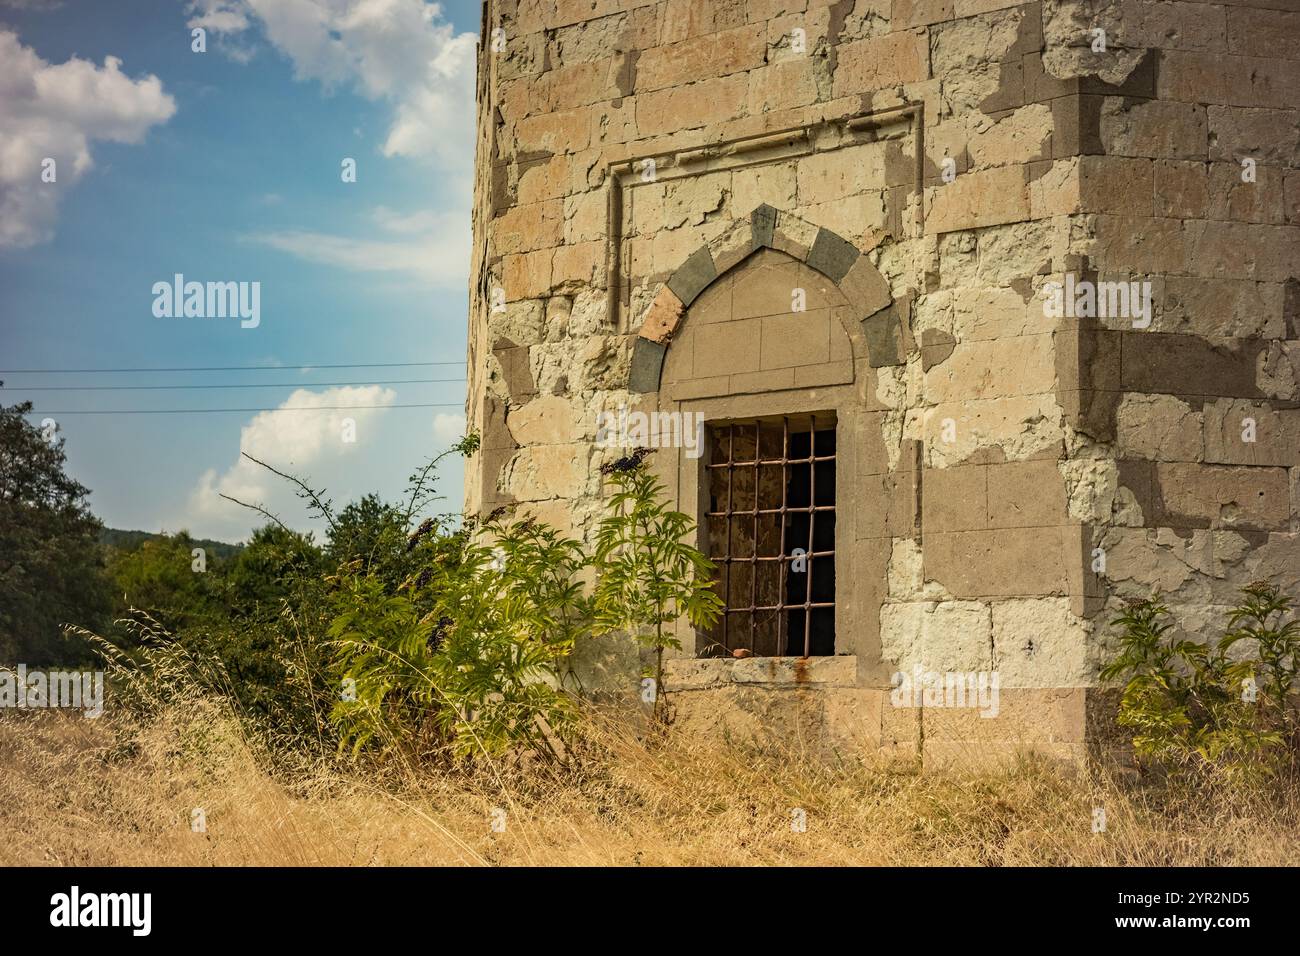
[
  {"x": 159, "y": 577},
  {"x": 277, "y": 568},
  {"x": 51, "y": 563},
  {"x": 252, "y": 634},
  {"x": 373, "y": 534}
]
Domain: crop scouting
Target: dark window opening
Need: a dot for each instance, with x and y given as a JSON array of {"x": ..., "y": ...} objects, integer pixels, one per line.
[{"x": 770, "y": 529}]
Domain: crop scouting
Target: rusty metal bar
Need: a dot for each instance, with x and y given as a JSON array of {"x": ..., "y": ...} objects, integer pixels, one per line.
[
  {"x": 775, "y": 607},
  {"x": 726, "y": 594},
  {"x": 812, "y": 523},
  {"x": 770, "y": 557},
  {"x": 773, "y": 511},
  {"x": 783, "y": 578},
  {"x": 753, "y": 562},
  {"x": 777, "y": 461}
]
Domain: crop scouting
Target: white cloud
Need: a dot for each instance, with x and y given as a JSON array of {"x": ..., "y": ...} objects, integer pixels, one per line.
[
  {"x": 448, "y": 429},
  {"x": 56, "y": 110},
  {"x": 226, "y": 20},
  {"x": 307, "y": 442},
  {"x": 222, "y": 16},
  {"x": 422, "y": 220},
  {"x": 429, "y": 246},
  {"x": 401, "y": 51}
]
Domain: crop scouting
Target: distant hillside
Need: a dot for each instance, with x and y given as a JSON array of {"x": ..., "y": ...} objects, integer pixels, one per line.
[{"x": 130, "y": 540}]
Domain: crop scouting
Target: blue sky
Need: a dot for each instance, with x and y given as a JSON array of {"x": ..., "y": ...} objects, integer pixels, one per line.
[{"x": 225, "y": 166}]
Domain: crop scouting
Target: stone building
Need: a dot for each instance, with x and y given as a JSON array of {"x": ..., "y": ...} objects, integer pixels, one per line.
[{"x": 1003, "y": 294}]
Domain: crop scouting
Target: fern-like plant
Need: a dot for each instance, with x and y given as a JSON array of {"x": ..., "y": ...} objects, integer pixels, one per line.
[
  {"x": 472, "y": 653},
  {"x": 1259, "y": 618},
  {"x": 1193, "y": 704},
  {"x": 650, "y": 575}
]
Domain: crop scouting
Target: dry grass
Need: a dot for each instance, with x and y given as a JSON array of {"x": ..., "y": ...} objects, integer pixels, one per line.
[{"x": 81, "y": 792}]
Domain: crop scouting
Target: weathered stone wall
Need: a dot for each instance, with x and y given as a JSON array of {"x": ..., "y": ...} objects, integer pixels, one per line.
[
  {"x": 932, "y": 166},
  {"x": 1184, "y": 498}
]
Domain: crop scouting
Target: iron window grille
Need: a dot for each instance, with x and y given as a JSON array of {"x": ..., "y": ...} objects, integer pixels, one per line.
[{"x": 771, "y": 533}]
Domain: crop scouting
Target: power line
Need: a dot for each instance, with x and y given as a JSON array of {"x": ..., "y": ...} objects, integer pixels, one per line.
[
  {"x": 103, "y": 388},
  {"x": 216, "y": 368},
  {"x": 197, "y": 411}
]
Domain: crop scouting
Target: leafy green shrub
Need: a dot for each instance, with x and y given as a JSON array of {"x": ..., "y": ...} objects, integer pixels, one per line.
[
  {"x": 404, "y": 633},
  {"x": 475, "y": 652},
  {"x": 1196, "y": 705},
  {"x": 648, "y": 574},
  {"x": 470, "y": 654}
]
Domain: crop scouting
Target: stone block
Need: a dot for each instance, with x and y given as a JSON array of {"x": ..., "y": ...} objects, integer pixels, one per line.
[
  {"x": 1040, "y": 643},
  {"x": 993, "y": 368},
  {"x": 581, "y": 264},
  {"x": 693, "y": 276},
  {"x": 865, "y": 288},
  {"x": 567, "y": 131},
  {"x": 919, "y": 13},
  {"x": 954, "y": 499},
  {"x": 662, "y": 318},
  {"x": 1188, "y": 364},
  {"x": 1182, "y": 188},
  {"x": 647, "y": 363},
  {"x": 1222, "y": 308},
  {"x": 682, "y": 19},
  {"x": 1026, "y": 494},
  {"x": 984, "y": 198},
  {"x": 884, "y": 336},
  {"x": 1008, "y": 562},
  {"x": 1158, "y": 129},
  {"x": 830, "y": 373},
  {"x": 542, "y": 472},
  {"x": 1159, "y": 427},
  {"x": 1271, "y": 136},
  {"x": 527, "y": 276},
  {"x": 703, "y": 57},
  {"x": 768, "y": 380},
  {"x": 767, "y": 286},
  {"x": 797, "y": 338},
  {"x": 547, "y": 420},
  {"x": 515, "y": 369},
  {"x": 895, "y": 515},
  {"x": 1274, "y": 434},
  {"x": 831, "y": 255},
  {"x": 1114, "y": 184},
  {"x": 763, "y": 224},
  {"x": 1134, "y": 245},
  {"x": 1270, "y": 33},
  {"x": 943, "y": 636},
  {"x": 793, "y": 236},
  {"x": 725, "y": 348},
  {"x": 785, "y": 86},
  {"x": 1220, "y": 496},
  {"x": 732, "y": 247},
  {"x": 1240, "y": 250},
  {"x": 877, "y": 63},
  {"x": 701, "y": 104}
]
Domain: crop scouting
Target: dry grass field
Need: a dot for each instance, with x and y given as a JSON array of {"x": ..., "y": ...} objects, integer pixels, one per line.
[{"x": 118, "y": 792}]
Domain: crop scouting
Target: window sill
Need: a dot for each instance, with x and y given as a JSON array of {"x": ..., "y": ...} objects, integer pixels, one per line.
[{"x": 685, "y": 673}]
